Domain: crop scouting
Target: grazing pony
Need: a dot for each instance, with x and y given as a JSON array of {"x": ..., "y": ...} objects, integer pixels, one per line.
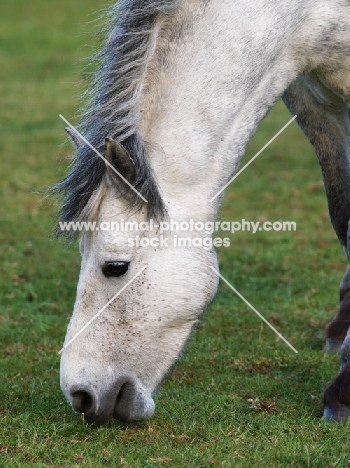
[{"x": 180, "y": 89}]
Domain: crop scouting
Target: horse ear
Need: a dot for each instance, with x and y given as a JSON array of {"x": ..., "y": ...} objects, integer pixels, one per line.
[
  {"x": 74, "y": 137},
  {"x": 119, "y": 158}
]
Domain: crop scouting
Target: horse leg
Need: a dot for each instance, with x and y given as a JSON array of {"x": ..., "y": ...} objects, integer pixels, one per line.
[
  {"x": 324, "y": 118},
  {"x": 337, "y": 328},
  {"x": 336, "y": 398}
]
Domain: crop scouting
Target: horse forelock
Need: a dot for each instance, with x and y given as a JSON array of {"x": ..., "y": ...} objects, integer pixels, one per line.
[{"x": 113, "y": 111}]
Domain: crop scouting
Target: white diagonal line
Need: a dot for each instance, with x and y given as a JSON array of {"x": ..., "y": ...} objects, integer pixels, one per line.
[
  {"x": 254, "y": 310},
  {"x": 101, "y": 310},
  {"x": 253, "y": 158},
  {"x": 102, "y": 157}
]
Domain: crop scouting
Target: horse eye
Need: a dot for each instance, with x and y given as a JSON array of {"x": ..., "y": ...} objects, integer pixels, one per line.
[{"x": 115, "y": 269}]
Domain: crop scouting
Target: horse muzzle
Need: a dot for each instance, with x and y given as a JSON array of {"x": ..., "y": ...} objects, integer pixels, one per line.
[{"x": 125, "y": 400}]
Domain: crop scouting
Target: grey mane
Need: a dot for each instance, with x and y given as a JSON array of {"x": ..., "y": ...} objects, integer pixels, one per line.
[{"x": 113, "y": 111}]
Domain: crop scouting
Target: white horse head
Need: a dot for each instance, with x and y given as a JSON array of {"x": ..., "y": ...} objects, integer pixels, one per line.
[{"x": 114, "y": 365}]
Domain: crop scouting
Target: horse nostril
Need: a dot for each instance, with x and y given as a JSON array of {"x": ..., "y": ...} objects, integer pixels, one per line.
[
  {"x": 122, "y": 391},
  {"x": 132, "y": 403},
  {"x": 82, "y": 402}
]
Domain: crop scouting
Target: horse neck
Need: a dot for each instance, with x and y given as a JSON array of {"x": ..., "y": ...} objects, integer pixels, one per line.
[{"x": 217, "y": 69}]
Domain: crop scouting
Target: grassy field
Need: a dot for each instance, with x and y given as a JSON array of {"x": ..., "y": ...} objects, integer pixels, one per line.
[{"x": 204, "y": 417}]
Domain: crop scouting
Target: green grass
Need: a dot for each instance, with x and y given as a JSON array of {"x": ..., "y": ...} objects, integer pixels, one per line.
[{"x": 203, "y": 417}]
